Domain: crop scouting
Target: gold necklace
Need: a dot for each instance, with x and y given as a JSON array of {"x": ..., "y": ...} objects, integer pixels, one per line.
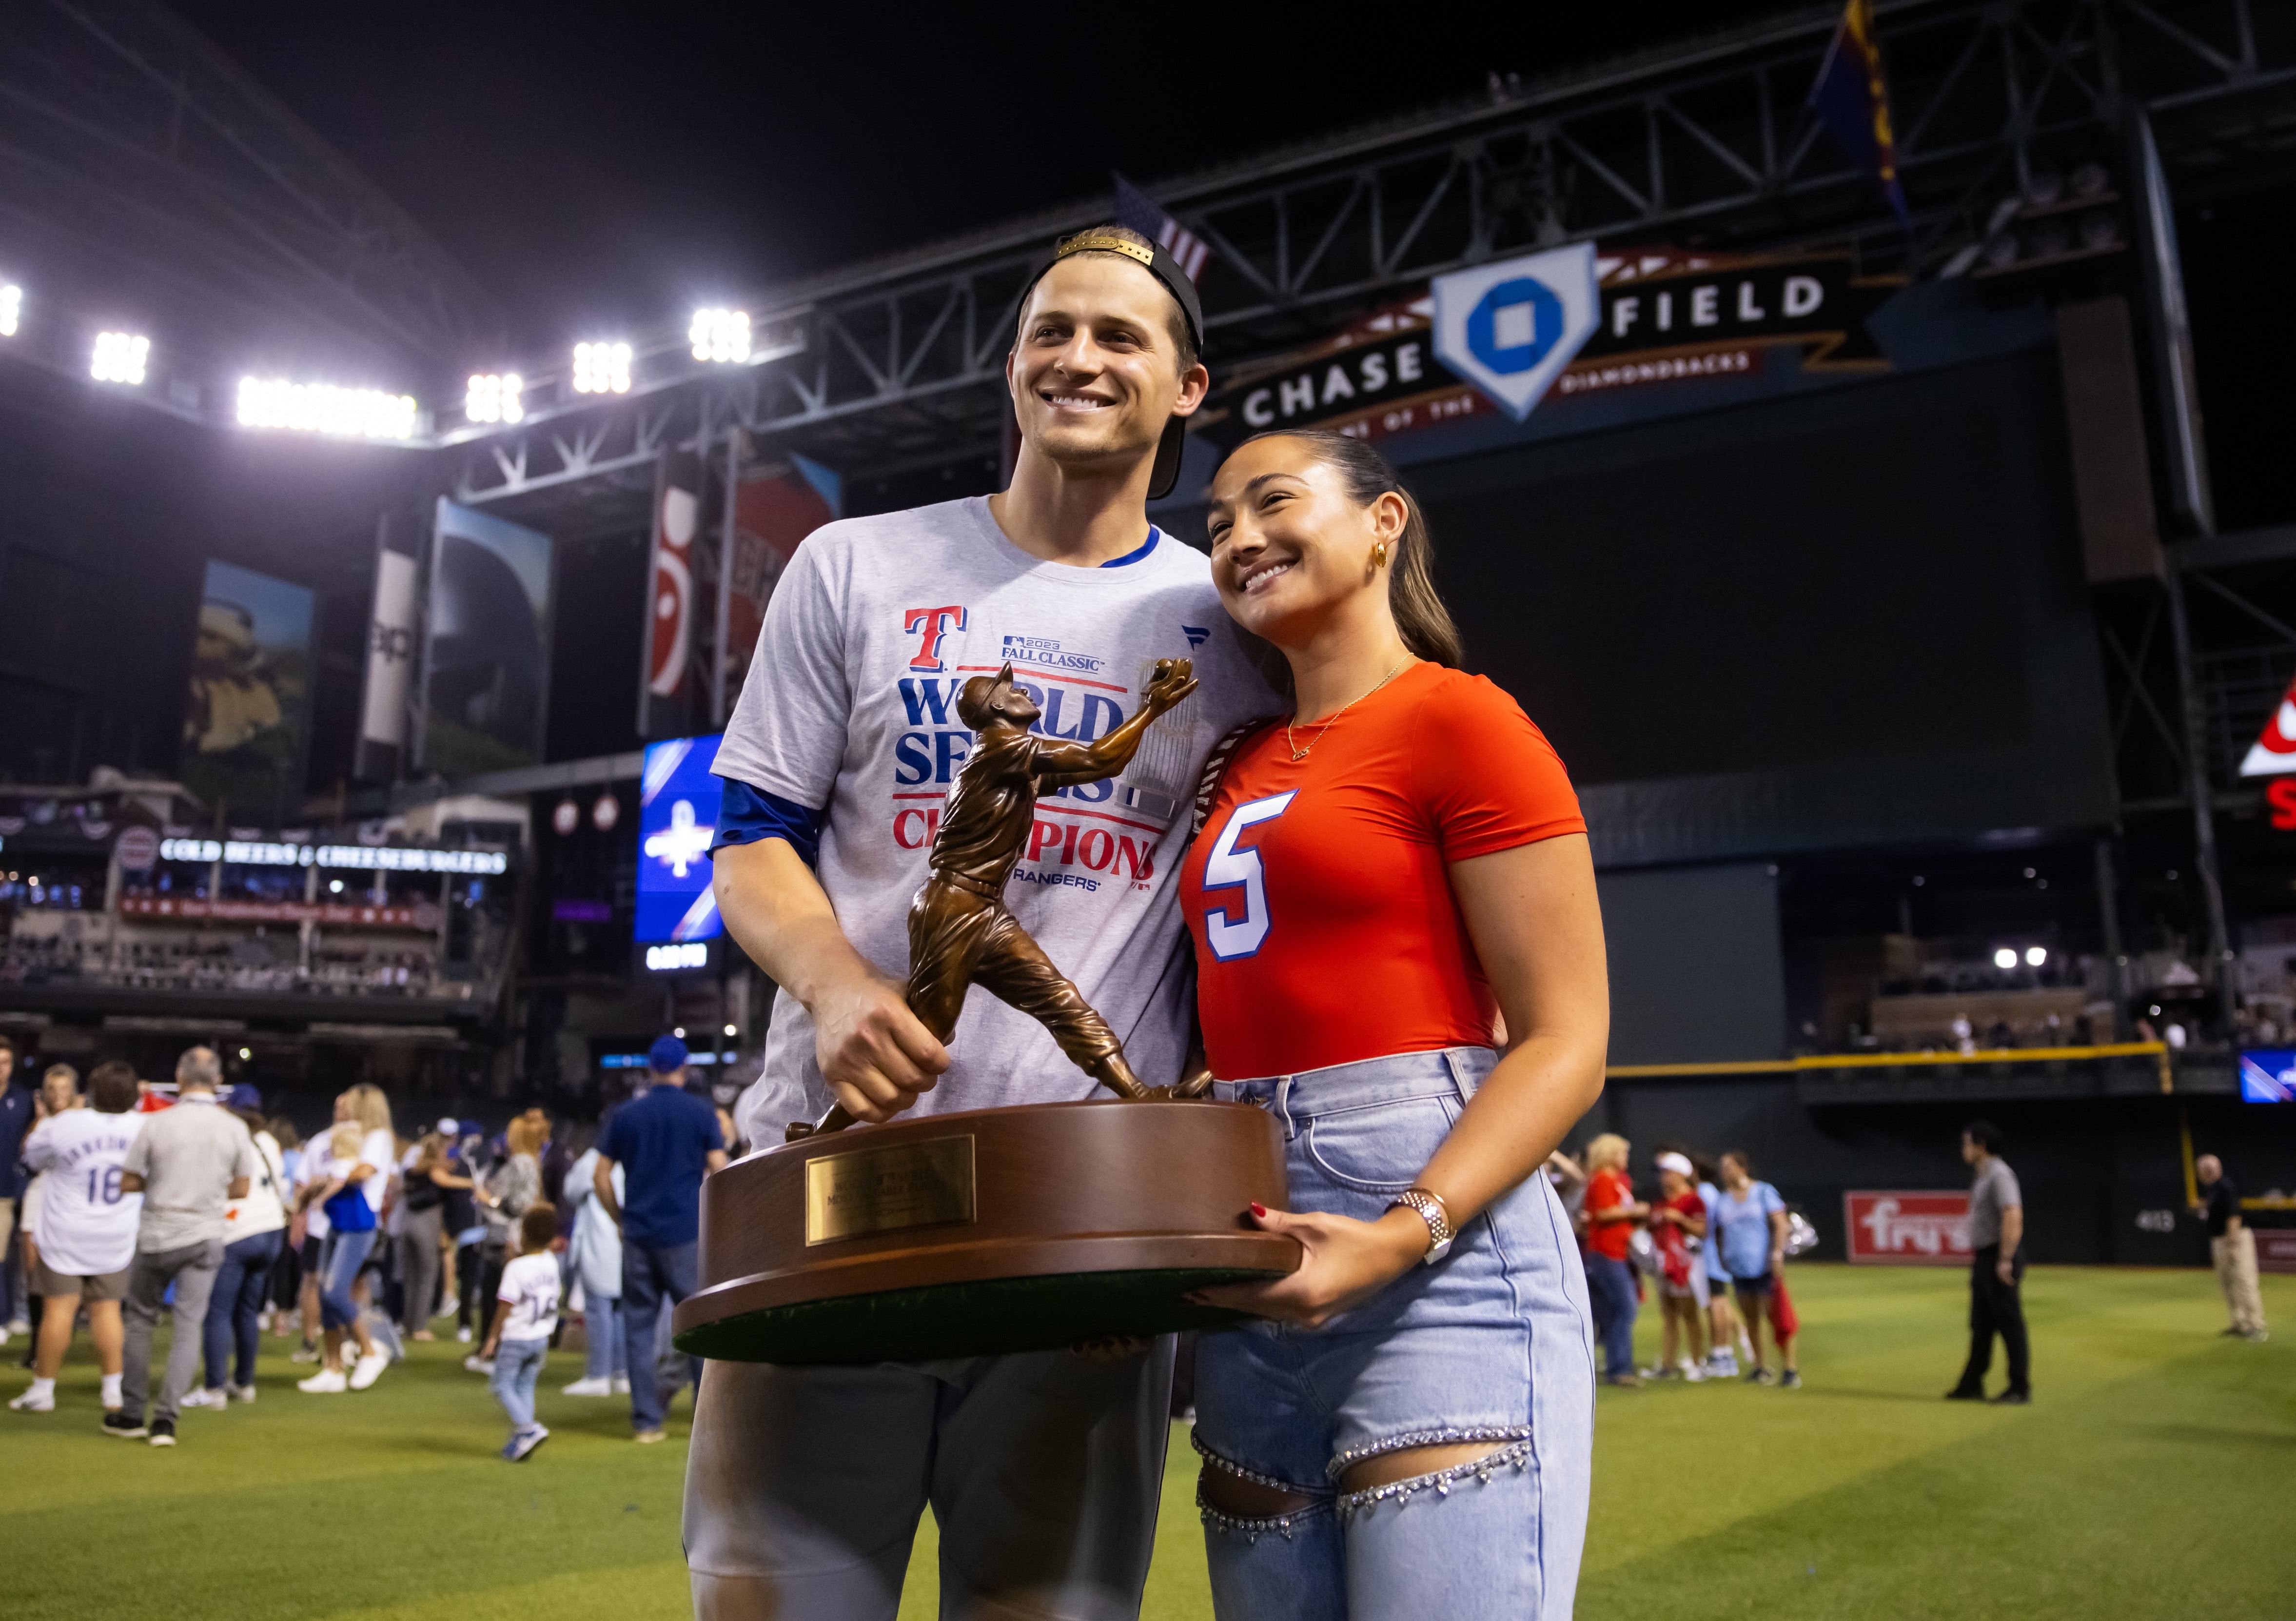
[{"x": 1298, "y": 753}]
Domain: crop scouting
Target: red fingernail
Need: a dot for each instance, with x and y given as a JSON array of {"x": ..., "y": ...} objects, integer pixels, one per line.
[{"x": 1258, "y": 1208}]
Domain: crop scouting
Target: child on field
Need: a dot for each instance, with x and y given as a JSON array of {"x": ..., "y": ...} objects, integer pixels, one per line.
[
  {"x": 1678, "y": 1224},
  {"x": 520, "y": 1337}
]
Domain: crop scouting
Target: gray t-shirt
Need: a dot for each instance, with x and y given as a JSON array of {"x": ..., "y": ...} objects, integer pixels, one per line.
[
  {"x": 850, "y": 704},
  {"x": 188, "y": 1157},
  {"x": 1994, "y": 1191}
]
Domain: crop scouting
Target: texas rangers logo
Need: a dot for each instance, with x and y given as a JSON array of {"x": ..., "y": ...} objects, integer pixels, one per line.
[{"x": 933, "y": 623}]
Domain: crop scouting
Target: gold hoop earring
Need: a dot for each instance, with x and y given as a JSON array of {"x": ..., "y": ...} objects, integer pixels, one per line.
[{"x": 1379, "y": 555}]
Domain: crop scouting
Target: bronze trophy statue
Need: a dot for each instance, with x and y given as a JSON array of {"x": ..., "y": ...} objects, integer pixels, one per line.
[
  {"x": 960, "y": 932},
  {"x": 1002, "y": 1230}
]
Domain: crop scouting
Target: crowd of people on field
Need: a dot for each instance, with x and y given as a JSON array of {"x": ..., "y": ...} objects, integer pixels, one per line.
[
  {"x": 1709, "y": 1239},
  {"x": 185, "y": 1198}
]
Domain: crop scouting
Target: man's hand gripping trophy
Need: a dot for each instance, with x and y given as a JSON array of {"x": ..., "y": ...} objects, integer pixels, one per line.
[{"x": 960, "y": 932}]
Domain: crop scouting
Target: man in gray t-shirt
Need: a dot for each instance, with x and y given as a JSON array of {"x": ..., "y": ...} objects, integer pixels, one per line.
[
  {"x": 187, "y": 1162},
  {"x": 1997, "y": 1271}
]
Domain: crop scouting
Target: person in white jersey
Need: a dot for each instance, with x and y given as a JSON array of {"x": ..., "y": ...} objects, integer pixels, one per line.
[
  {"x": 86, "y": 1232},
  {"x": 255, "y": 1228},
  {"x": 1042, "y": 1471}
]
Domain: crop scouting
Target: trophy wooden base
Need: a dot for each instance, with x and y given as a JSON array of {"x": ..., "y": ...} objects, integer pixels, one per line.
[{"x": 984, "y": 1232}]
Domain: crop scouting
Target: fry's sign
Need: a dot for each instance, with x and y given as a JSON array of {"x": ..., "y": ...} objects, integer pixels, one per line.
[{"x": 1927, "y": 1228}]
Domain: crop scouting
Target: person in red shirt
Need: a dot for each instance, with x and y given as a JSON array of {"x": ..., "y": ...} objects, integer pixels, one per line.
[
  {"x": 1376, "y": 881},
  {"x": 1612, "y": 1216},
  {"x": 1678, "y": 1224}
]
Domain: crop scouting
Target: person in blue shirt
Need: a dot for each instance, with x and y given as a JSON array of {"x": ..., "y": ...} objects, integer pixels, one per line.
[
  {"x": 664, "y": 1142},
  {"x": 16, "y": 1124},
  {"x": 1750, "y": 1220}
]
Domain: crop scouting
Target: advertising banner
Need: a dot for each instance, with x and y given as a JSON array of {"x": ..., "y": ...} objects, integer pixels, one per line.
[
  {"x": 677, "y": 818},
  {"x": 773, "y": 509},
  {"x": 680, "y": 602},
  {"x": 486, "y": 667},
  {"x": 1918, "y": 1229},
  {"x": 1654, "y": 317},
  {"x": 389, "y": 666},
  {"x": 331, "y": 913},
  {"x": 2267, "y": 1075},
  {"x": 246, "y": 724}
]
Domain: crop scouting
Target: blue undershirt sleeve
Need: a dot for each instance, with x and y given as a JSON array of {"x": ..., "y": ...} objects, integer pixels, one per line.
[{"x": 747, "y": 813}]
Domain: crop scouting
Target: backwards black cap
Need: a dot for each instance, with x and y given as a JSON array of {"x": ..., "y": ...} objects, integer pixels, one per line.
[{"x": 1166, "y": 269}]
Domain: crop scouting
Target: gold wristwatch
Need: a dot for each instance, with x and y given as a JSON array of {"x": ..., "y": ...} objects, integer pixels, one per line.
[{"x": 1431, "y": 1209}]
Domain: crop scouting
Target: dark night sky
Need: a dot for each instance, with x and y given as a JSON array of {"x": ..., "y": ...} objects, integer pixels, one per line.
[{"x": 608, "y": 164}]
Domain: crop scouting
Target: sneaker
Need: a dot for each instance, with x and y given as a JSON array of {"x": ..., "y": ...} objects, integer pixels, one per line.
[
  {"x": 589, "y": 1388},
  {"x": 1722, "y": 1365},
  {"x": 1649, "y": 1374},
  {"x": 478, "y": 1364},
  {"x": 242, "y": 1392},
  {"x": 18, "y": 1324},
  {"x": 304, "y": 1353},
  {"x": 1761, "y": 1376},
  {"x": 163, "y": 1432},
  {"x": 2014, "y": 1398},
  {"x": 127, "y": 1428},
  {"x": 44, "y": 1401},
  {"x": 462, "y": 1335},
  {"x": 647, "y": 1438},
  {"x": 1791, "y": 1379},
  {"x": 367, "y": 1369},
  {"x": 205, "y": 1398},
  {"x": 523, "y": 1444},
  {"x": 621, "y": 1386},
  {"x": 325, "y": 1382},
  {"x": 1693, "y": 1374},
  {"x": 2257, "y": 1337},
  {"x": 1962, "y": 1394},
  {"x": 509, "y": 1453}
]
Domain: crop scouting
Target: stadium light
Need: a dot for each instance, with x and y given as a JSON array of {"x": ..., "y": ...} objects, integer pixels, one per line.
[
  {"x": 601, "y": 368},
  {"x": 720, "y": 335},
  {"x": 2005, "y": 958},
  {"x": 2035, "y": 956},
  {"x": 119, "y": 357},
  {"x": 496, "y": 397},
  {"x": 11, "y": 309},
  {"x": 321, "y": 408}
]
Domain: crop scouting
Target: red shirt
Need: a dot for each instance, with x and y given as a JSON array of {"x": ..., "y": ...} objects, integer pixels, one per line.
[
  {"x": 1607, "y": 1189},
  {"x": 1674, "y": 1241},
  {"x": 1318, "y": 893}
]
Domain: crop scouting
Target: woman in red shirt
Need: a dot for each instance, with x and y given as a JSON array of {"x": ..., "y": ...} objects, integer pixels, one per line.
[
  {"x": 1378, "y": 881},
  {"x": 1611, "y": 1216}
]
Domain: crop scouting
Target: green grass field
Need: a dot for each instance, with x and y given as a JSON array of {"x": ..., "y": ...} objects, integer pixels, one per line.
[{"x": 2151, "y": 1478}]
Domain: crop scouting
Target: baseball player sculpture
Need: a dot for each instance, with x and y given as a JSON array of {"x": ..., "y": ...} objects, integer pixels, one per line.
[{"x": 960, "y": 934}]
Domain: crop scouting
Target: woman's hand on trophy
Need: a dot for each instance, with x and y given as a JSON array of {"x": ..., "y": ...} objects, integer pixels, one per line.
[
  {"x": 1342, "y": 1263},
  {"x": 1169, "y": 685},
  {"x": 876, "y": 1054}
]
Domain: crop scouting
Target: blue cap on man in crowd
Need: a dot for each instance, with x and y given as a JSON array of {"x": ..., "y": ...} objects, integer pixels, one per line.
[{"x": 667, "y": 1057}]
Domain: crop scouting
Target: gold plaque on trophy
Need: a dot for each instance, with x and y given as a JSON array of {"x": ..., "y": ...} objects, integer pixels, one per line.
[{"x": 924, "y": 1184}]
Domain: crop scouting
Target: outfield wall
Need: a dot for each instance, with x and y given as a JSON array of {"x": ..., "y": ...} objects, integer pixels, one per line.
[{"x": 2088, "y": 1165}]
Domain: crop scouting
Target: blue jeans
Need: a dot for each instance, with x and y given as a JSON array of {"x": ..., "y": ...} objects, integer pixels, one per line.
[
  {"x": 652, "y": 1274},
  {"x": 338, "y": 1267},
  {"x": 517, "y": 1365},
  {"x": 236, "y": 1303},
  {"x": 602, "y": 1331},
  {"x": 1490, "y": 1345},
  {"x": 1612, "y": 1285}
]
